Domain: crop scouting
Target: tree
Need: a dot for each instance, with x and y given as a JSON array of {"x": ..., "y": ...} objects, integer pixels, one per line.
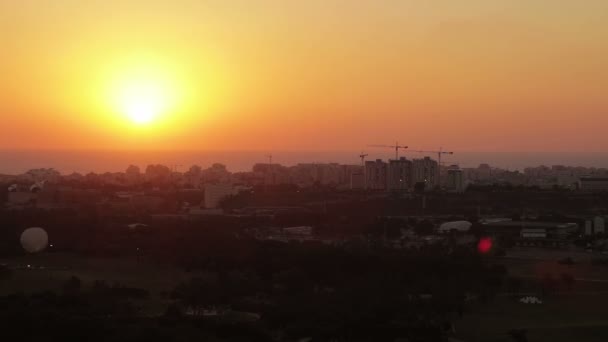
[
  {"x": 133, "y": 170},
  {"x": 548, "y": 284},
  {"x": 568, "y": 280},
  {"x": 519, "y": 335},
  {"x": 424, "y": 227},
  {"x": 195, "y": 170},
  {"x": 193, "y": 176},
  {"x": 72, "y": 285},
  {"x": 419, "y": 187},
  {"x": 158, "y": 174},
  {"x": 5, "y": 272},
  {"x": 197, "y": 294},
  {"x": 216, "y": 173},
  {"x": 514, "y": 285}
]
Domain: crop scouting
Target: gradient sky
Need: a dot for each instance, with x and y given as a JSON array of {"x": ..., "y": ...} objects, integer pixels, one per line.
[{"x": 481, "y": 75}]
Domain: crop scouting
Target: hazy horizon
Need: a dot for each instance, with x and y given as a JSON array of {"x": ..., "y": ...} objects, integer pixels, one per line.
[{"x": 83, "y": 161}]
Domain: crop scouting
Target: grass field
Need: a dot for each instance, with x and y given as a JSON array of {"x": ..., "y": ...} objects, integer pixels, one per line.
[
  {"x": 49, "y": 272},
  {"x": 576, "y": 314},
  {"x": 129, "y": 272},
  {"x": 560, "y": 318}
]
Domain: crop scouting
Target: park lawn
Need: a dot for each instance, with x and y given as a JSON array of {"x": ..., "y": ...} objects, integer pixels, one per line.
[
  {"x": 560, "y": 318},
  {"x": 125, "y": 271}
]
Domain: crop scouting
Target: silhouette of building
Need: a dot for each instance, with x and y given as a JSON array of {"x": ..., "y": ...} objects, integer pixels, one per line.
[
  {"x": 376, "y": 173},
  {"x": 357, "y": 181},
  {"x": 271, "y": 174},
  {"x": 399, "y": 174},
  {"x": 593, "y": 184},
  {"x": 455, "y": 179},
  {"x": 425, "y": 171},
  {"x": 595, "y": 225},
  {"x": 348, "y": 173}
]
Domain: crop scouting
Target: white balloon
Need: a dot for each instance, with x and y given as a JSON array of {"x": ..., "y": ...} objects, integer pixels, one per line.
[{"x": 34, "y": 240}]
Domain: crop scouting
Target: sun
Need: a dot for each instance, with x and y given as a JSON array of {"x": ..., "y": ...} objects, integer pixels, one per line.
[
  {"x": 144, "y": 94},
  {"x": 143, "y": 101}
]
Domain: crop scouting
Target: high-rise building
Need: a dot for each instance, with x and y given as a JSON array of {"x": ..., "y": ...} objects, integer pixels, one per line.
[
  {"x": 357, "y": 181},
  {"x": 399, "y": 174},
  {"x": 455, "y": 181},
  {"x": 376, "y": 174},
  {"x": 425, "y": 171}
]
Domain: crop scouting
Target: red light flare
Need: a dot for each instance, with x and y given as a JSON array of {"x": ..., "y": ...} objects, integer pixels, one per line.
[{"x": 484, "y": 245}]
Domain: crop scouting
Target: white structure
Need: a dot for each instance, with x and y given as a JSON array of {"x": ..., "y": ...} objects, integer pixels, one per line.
[
  {"x": 38, "y": 186},
  {"x": 530, "y": 300},
  {"x": 34, "y": 240},
  {"x": 303, "y": 230},
  {"x": 135, "y": 226},
  {"x": 460, "y": 226},
  {"x": 533, "y": 233}
]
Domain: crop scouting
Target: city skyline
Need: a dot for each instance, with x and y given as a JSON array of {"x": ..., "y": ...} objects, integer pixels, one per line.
[
  {"x": 316, "y": 75},
  {"x": 68, "y": 161}
]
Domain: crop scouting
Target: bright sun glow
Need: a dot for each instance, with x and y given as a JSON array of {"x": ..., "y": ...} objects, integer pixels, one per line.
[
  {"x": 143, "y": 102},
  {"x": 144, "y": 94}
]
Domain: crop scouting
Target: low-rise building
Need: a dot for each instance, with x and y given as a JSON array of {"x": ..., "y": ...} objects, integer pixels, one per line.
[
  {"x": 530, "y": 229},
  {"x": 215, "y": 193},
  {"x": 595, "y": 225},
  {"x": 593, "y": 184}
]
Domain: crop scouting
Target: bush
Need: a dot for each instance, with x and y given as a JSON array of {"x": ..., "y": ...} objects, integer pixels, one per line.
[{"x": 599, "y": 262}]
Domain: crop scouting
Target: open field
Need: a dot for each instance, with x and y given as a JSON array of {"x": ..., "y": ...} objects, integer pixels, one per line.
[
  {"x": 560, "y": 318},
  {"x": 48, "y": 272},
  {"x": 576, "y": 313},
  {"x": 535, "y": 253}
]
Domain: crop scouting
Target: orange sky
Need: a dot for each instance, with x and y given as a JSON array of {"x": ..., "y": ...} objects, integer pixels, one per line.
[{"x": 308, "y": 75}]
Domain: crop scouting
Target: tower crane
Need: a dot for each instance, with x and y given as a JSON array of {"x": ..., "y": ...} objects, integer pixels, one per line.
[
  {"x": 362, "y": 156},
  {"x": 396, "y": 147},
  {"x": 440, "y": 152}
]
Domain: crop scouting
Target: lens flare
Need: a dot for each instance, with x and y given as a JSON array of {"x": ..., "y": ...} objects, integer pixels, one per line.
[{"x": 484, "y": 245}]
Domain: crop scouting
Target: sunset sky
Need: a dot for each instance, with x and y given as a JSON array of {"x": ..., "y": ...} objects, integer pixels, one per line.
[{"x": 477, "y": 75}]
